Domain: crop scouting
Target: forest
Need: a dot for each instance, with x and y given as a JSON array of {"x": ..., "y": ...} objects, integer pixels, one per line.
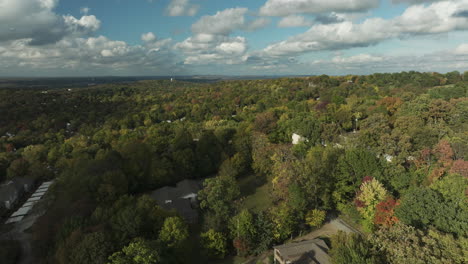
[{"x": 388, "y": 153}]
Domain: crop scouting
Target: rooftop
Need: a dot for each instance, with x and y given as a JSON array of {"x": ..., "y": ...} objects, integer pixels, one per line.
[{"x": 305, "y": 252}]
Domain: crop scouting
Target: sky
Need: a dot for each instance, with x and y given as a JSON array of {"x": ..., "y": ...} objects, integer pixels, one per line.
[{"x": 48, "y": 38}]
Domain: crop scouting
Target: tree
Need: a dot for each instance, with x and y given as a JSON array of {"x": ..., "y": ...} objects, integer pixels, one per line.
[
  {"x": 422, "y": 207},
  {"x": 315, "y": 217},
  {"x": 371, "y": 193},
  {"x": 264, "y": 236},
  {"x": 385, "y": 212},
  {"x": 265, "y": 122},
  {"x": 217, "y": 196},
  {"x": 18, "y": 168},
  {"x": 285, "y": 222},
  {"x": 242, "y": 228},
  {"x": 352, "y": 167},
  {"x": 352, "y": 249},
  {"x": 214, "y": 243},
  {"x": 174, "y": 231},
  {"x": 140, "y": 251},
  {"x": 93, "y": 248},
  {"x": 406, "y": 244}
]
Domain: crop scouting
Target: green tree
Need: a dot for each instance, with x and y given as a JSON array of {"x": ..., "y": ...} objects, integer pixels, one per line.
[
  {"x": 422, "y": 207},
  {"x": 242, "y": 227},
  {"x": 371, "y": 193},
  {"x": 174, "y": 232},
  {"x": 406, "y": 244},
  {"x": 352, "y": 249},
  {"x": 315, "y": 217},
  {"x": 352, "y": 167},
  {"x": 214, "y": 243},
  {"x": 93, "y": 248},
  {"x": 140, "y": 251},
  {"x": 217, "y": 196}
]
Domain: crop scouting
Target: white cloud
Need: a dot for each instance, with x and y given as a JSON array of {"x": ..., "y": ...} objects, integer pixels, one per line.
[
  {"x": 360, "y": 58},
  {"x": 223, "y": 22},
  {"x": 88, "y": 56},
  {"x": 211, "y": 42},
  {"x": 148, "y": 37},
  {"x": 291, "y": 7},
  {"x": 414, "y": 1},
  {"x": 84, "y": 10},
  {"x": 441, "y": 61},
  {"x": 462, "y": 49},
  {"x": 416, "y": 20},
  {"x": 294, "y": 21},
  {"x": 36, "y": 21},
  {"x": 181, "y": 8},
  {"x": 257, "y": 24}
]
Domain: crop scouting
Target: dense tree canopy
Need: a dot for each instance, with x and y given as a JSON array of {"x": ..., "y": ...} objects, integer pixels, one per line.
[{"x": 387, "y": 150}]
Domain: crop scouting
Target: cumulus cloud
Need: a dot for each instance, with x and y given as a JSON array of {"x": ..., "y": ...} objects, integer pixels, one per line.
[
  {"x": 89, "y": 56},
  {"x": 329, "y": 19},
  {"x": 292, "y": 7},
  {"x": 181, "y": 8},
  {"x": 360, "y": 58},
  {"x": 415, "y": 20},
  {"x": 36, "y": 21},
  {"x": 414, "y": 1},
  {"x": 223, "y": 22},
  {"x": 294, "y": 21},
  {"x": 211, "y": 41},
  {"x": 257, "y": 24},
  {"x": 462, "y": 49},
  {"x": 441, "y": 61},
  {"x": 148, "y": 37}
]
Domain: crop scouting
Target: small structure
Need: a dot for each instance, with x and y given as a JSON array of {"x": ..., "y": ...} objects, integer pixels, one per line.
[
  {"x": 388, "y": 158},
  {"x": 305, "y": 252},
  {"x": 9, "y": 194},
  {"x": 182, "y": 198},
  {"x": 296, "y": 139}
]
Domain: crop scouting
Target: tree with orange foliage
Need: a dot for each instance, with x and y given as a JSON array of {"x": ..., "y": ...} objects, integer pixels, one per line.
[{"x": 385, "y": 212}]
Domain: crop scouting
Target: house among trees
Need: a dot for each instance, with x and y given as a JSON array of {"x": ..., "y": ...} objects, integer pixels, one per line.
[
  {"x": 182, "y": 198},
  {"x": 296, "y": 139},
  {"x": 305, "y": 252}
]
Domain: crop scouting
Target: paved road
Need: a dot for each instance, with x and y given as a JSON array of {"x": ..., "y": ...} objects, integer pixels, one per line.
[{"x": 328, "y": 229}]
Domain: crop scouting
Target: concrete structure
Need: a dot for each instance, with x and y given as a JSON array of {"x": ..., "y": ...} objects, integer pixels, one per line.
[
  {"x": 313, "y": 251},
  {"x": 29, "y": 204}
]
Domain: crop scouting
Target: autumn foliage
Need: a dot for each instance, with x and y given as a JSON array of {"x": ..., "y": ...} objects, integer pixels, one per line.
[{"x": 385, "y": 212}]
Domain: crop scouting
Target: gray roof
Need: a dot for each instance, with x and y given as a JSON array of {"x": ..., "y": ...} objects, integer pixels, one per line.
[
  {"x": 184, "y": 208},
  {"x": 183, "y": 188},
  {"x": 186, "y": 187},
  {"x": 305, "y": 252},
  {"x": 170, "y": 198},
  {"x": 163, "y": 194}
]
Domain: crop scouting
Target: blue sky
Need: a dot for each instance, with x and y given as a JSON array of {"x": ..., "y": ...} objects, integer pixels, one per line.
[{"x": 245, "y": 37}]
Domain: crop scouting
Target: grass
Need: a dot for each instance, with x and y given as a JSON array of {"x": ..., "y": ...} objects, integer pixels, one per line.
[{"x": 256, "y": 193}]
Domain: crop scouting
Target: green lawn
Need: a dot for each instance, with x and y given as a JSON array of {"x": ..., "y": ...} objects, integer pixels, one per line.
[{"x": 256, "y": 193}]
